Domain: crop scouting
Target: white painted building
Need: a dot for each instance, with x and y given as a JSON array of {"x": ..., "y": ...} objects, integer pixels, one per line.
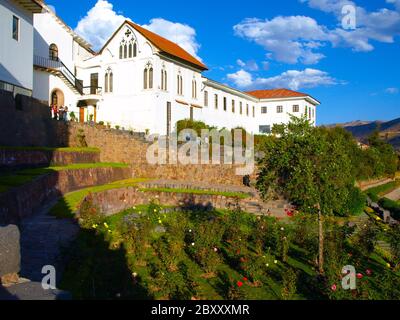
[
  {"x": 141, "y": 81},
  {"x": 16, "y": 45}
]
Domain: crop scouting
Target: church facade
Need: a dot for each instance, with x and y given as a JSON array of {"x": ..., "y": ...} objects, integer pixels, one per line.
[{"x": 144, "y": 82}]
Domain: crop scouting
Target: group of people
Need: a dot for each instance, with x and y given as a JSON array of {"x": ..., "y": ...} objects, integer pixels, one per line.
[{"x": 59, "y": 113}]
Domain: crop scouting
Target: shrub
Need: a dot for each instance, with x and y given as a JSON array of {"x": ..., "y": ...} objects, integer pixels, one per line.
[
  {"x": 289, "y": 284},
  {"x": 89, "y": 214},
  {"x": 191, "y": 124},
  {"x": 81, "y": 139},
  {"x": 355, "y": 203},
  {"x": 365, "y": 238}
]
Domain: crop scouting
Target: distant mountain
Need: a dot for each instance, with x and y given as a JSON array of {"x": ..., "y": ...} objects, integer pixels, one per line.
[{"x": 388, "y": 130}]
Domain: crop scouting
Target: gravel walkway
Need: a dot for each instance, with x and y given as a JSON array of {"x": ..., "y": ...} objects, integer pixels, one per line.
[{"x": 394, "y": 195}]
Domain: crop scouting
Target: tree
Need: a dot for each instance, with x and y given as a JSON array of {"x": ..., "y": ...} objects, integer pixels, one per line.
[{"x": 309, "y": 166}]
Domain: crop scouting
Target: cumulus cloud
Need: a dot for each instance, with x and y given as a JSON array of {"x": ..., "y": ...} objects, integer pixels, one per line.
[
  {"x": 292, "y": 79},
  {"x": 250, "y": 65},
  {"x": 102, "y": 20},
  {"x": 241, "y": 78},
  {"x": 381, "y": 25},
  {"x": 287, "y": 39},
  {"x": 182, "y": 34},
  {"x": 99, "y": 23},
  {"x": 294, "y": 39}
]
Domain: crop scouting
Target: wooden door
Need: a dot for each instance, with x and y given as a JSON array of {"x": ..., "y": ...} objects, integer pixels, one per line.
[{"x": 81, "y": 115}]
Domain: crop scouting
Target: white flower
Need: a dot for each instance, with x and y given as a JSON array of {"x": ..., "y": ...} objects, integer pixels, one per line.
[
  {"x": 134, "y": 274},
  {"x": 215, "y": 249},
  {"x": 193, "y": 244},
  {"x": 282, "y": 229},
  {"x": 276, "y": 261}
]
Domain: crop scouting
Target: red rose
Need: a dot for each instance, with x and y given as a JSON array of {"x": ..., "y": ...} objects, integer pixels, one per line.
[
  {"x": 239, "y": 284},
  {"x": 334, "y": 287},
  {"x": 359, "y": 275},
  {"x": 368, "y": 272},
  {"x": 245, "y": 279}
]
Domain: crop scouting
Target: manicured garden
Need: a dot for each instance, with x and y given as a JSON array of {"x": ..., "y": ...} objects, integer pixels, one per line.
[{"x": 155, "y": 252}]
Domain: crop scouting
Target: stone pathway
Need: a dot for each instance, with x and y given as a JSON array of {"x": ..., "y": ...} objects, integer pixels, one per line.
[
  {"x": 42, "y": 239},
  {"x": 394, "y": 195}
]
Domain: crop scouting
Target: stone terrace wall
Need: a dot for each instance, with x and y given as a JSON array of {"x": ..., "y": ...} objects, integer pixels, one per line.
[
  {"x": 31, "y": 158},
  {"x": 119, "y": 147},
  {"x": 114, "y": 201},
  {"x": 25, "y": 121},
  {"x": 22, "y": 202}
]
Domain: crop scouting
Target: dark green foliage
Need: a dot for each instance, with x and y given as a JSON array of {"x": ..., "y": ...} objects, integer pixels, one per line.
[{"x": 392, "y": 206}]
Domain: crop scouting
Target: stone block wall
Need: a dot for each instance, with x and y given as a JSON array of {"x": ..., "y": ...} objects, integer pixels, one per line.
[
  {"x": 37, "y": 158},
  {"x": 114, "y": 201},
  {"x": 23, "y": 201}
]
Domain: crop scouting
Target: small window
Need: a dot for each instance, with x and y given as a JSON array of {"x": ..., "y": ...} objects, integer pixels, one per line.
[
  {"x": 224, "y": 103},
  {"x": 279, "y": 109},
  {"x": 254, "y": 111},
  {"x": 15, "y": 28},
  {"x": 53, "y": 52},
  {"x": 180, "y": 84},
  {"x": 216, "y": 101},
  {"x": 296, "y": 108},
  {"x": 264, "y": 110},
  {"x": 206, "y": 98},
  {"x": 148, "y": 77},
  {"x": 241, "y": 107},
  {"x": 313, "y": 113},
  {"x": 233, "y": 106},
  {"x": 247, "y": 109},
  {"x": 265, "y": 129},
  {"x": 194, "y": 89},
  {"x": 164, "y": 82}
]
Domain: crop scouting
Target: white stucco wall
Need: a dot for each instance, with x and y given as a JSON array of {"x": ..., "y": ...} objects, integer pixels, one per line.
[{"x": 16, "y": 57}]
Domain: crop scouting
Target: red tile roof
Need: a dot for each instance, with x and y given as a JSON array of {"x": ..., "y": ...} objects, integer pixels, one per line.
[
  {"x": 276, "y": 93},
  {"x": 167, "y": 46}
]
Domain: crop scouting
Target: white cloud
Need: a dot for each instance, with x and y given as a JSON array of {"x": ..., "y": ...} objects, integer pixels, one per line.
[
  {"x": 182, "y": 34},
  {"x": 102, "y": 20},
  {"x": 250, "y": 65},
  {"x": 99, "y": 23},
  {"x": 288, "y": 39},
  {"x": 294, "y": 39},
  {"x": 381, "y": 25},
  {"x": 292, "y": 79},
  {"x": 392, "y": 90},
  {"x": 241, "y": 78}
]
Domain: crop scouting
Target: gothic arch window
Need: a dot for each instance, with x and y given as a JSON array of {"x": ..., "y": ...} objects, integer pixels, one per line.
[
  {"x": 109, "y": 81},
  {"x": 164, "y": 79},
  {"x": 194, "y": 89},
  {"x": 180, "y": 83},
  {"x": 148, "y": 76},
  {"x": 53, "y": 52},
  {"x": 128, "y": 46}
]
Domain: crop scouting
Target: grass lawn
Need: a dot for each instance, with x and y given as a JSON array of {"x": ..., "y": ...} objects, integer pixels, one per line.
[
  {"x": 19, "y": 178},
  {"x": 68, "y": 149},
  {"x": 239, "y": 195},
  {"x": 379, "y": 191}
]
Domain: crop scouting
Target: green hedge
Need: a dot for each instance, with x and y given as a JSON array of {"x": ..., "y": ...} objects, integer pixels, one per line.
[{"x": 392, "y": 206}]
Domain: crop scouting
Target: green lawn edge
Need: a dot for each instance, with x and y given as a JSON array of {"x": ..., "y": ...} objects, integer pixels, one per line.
[{"x": 50, "y": 149}]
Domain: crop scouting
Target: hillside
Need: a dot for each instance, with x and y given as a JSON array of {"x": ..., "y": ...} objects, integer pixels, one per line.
[{"x": 389, "y": 130}]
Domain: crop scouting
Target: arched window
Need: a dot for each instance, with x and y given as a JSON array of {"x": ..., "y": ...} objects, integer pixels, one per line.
[
  {"x": 151, "y": 78},
  {"x": 54, "y": 99},
  {"x": 125, "y": 51},
  {"x": 134, "y": 49},
  {"x": 108, "y": 81},
  {"x": 148, "y": 77},
  {"x": 121, "y": 51},
  {"x": 180, "y": 84},
  {"x": 130, "y": 50},
  {"x": 164, "y": 86},
  {"x": 53, "y": 52},
  {"x": 194, "y": 89},
  {"x": 145, "y": 78}
]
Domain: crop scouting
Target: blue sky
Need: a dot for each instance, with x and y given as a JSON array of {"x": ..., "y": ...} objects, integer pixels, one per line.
[{"x": 299, "y": 44}]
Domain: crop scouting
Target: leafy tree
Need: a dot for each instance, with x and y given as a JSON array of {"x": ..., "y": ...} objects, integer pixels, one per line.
[{"x": 310, "y": 167}]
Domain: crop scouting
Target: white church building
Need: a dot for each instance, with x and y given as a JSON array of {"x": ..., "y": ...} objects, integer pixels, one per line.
[{"x": 141, "y": 81}]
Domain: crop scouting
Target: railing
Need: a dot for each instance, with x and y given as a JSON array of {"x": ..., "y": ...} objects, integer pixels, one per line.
[
  {"x": 93, "y": 90},
  {"x": 57, "y": 64},
  {"x": 6, "y": 86}
]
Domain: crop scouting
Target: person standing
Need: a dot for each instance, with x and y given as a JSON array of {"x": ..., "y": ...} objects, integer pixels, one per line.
[{"x": 65, "y": 118}]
